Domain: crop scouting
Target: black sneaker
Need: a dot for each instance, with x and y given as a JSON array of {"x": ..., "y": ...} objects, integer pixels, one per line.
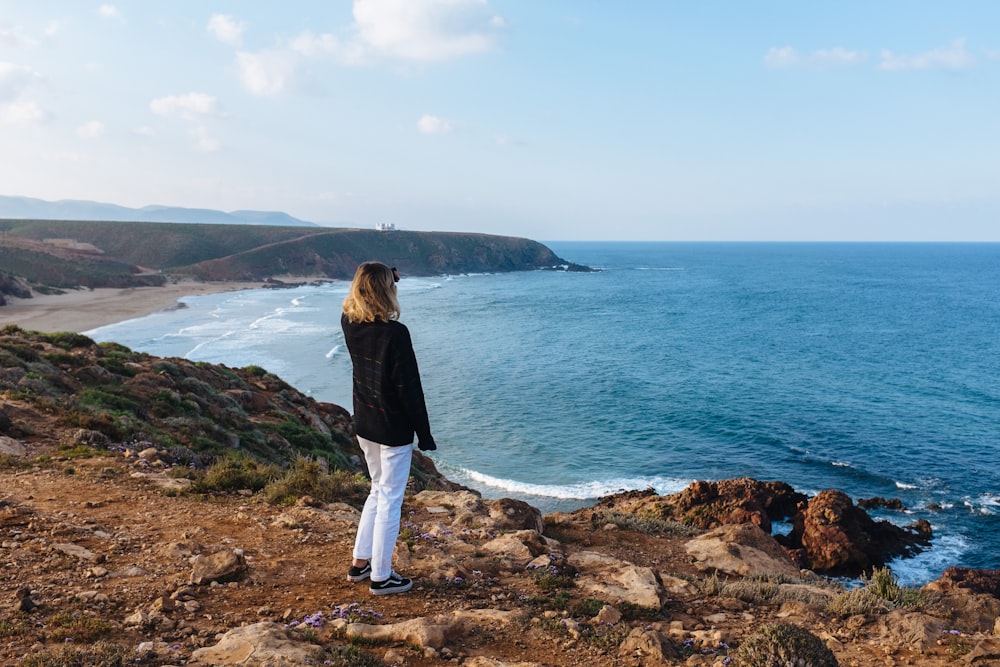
[
  {"x": 394, "y": 584},
  {"x": 357, "y": 574}
]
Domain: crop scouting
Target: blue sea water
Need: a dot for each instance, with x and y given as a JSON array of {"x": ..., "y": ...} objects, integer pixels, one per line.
[{"x": 869, "y": 368}]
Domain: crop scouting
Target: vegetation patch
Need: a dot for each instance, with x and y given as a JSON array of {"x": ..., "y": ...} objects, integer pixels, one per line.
[
  {"x": 307, "y": 477},
  {"x": 782, "y": 644},
  {"x": 879, "y": 594},
  {"x": 648, "y": 524},
  {"x": 235, "y": 472}
]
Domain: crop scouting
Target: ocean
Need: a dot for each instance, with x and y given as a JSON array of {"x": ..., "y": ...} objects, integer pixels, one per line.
[{"x": 865, "y": 367}]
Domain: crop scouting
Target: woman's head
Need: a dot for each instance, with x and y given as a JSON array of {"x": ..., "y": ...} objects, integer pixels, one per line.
[{"x": 372, "y": 296}]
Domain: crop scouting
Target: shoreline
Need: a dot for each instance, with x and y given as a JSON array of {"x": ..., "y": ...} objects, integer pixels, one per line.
[{"x": 84, "y": 309}]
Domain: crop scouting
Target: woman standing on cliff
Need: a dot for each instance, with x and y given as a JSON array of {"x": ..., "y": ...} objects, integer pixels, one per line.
[{"x": 388, "y": 409}]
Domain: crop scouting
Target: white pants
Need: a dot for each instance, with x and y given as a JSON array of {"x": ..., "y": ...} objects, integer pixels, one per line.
[{"x": 378, "y": 529}]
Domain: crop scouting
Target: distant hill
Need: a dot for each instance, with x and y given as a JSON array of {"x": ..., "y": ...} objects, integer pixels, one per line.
[
  {"x": 41, "y": 255},
  {"x": 78, "y": 209}
]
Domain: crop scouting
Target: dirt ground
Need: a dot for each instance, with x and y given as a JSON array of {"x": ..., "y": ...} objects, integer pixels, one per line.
[{"x": 137, "y": 541}]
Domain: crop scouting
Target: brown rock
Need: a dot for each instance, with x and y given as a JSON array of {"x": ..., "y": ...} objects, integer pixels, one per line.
[
  {"x": 742, "y": 550},
  {"x": 977, "y": 581},
  {"x": 262, "y": 643},
  {"x": 221, "y": 566},
  {"x": 511, "y": 514},
  {"x": 709, "y": 505},
  {"x": 840, "y": 538}
]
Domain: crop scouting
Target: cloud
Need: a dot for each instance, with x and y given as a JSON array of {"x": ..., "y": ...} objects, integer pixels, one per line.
[
  {"x": 785, "y": 56},
  {"x": 434, "y": 125},
  {"x": 90, "y": 130},
  {"x": 21, "y": 112},
  {"x": 110, "y": 12},
  {"x": 266, "y": 72},
  {"x": 413, "y": 30},
  {"x": 789, "y": 56},
  {"x": 425, "y": 30},
  {"x": 14, "y": 36},
  {"x": 311, "y": 45},
  {"x": 203, "y": 142},
  {"x": 226, "y": 29},
  {"x": 954, "y": 56},
  {"x": 838, "y": 56},
  {"x": 14, "y": 79},
  {"x": 190, "y": 106}
]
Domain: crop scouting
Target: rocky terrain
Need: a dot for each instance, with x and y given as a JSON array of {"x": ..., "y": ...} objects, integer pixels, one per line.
[{"x": 131, "y": 534}]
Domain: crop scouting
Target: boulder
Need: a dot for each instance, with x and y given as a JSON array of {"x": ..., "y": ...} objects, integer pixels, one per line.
[
  {"x": 613, "y": 580},
  {"x": 261, "y": 644},
  {"x": 913, "y": 630},
  {"x": 221, "y": 566},
  {"x": 742, "y": 550},
  {"x": 12, "y": 447},
  {"x": 977, "y": 581},
  {"x": 518, "y": 548},
  {"x": 840, "y": 538},
  {"x": 649, "y": 647},
  {"x": 709, "y": 505},
  {"x": 510, "y": 514},
  {"x": 423, "y": 632}
]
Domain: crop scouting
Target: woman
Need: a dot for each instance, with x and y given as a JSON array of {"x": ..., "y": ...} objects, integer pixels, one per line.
[{"x": 388, "y": 409}]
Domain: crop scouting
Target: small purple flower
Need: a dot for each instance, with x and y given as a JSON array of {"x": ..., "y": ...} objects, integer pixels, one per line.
[{"x": 69, "y": 640}]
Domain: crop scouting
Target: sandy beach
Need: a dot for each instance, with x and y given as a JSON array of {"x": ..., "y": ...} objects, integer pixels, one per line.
[{"x": 84, "y": 309}]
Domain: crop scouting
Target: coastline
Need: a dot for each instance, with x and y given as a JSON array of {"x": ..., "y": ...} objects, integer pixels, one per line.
[{"x": 81, "y": 310}]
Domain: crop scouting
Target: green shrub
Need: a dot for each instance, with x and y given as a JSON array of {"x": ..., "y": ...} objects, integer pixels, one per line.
[
  {"x": 782, "y": 644},
  {"x": 77, "y": 627},
  {"x": 879, "y": 594},
  {"x": 306, "y": 477},
  {"x": 235, "y": 472},
  {"x": 67, "y": 339},
  {"x": 101, "y": 654},
  {"x": 102, "y": 399}
]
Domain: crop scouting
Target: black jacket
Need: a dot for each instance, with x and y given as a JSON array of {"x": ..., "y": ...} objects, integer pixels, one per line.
[{"x": 388, "y": 397}]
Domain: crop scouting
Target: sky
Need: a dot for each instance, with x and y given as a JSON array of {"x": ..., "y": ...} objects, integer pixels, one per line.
[{"x": 860, "y": 120}]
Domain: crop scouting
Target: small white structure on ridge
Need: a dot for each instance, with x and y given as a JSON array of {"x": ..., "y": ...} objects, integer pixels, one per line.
[{"x": 385, "y": 227}]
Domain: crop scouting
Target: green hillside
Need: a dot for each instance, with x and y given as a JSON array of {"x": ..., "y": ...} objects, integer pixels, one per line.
[{"x": 63, "y": 254}]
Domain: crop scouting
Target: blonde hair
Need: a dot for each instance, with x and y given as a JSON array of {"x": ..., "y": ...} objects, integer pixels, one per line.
[{"x": 372, "y": 296}]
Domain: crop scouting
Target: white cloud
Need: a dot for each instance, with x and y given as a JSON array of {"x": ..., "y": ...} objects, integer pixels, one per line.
[
  {"x": 110, "y": 12},
  {"x": 310, "y": 45},
  {"x": 14, "y": 79},
  {"x": 265, "y": 72},
  {"x": 789, "y": 56},
  {"x": 953, "y": 56},
  {"x": 189, "y": 106},
  {"x": 203, "y": 142},
  {"x": 785, "y": 56},
  {"x": 838, "y": 56},
  {"x": 226, "y": 29},
  {"x": 143, "y": 131},
  {"x": 425, "y": 30},
  {"x": 14, "y": 36},
  {"x": 90, "y": 130},
  {"x": 21, "y": 112},
  {"x": 434, "y": 125}
]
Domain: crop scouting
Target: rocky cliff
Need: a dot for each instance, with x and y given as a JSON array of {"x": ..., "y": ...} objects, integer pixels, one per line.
[
  {"x": 163, "y": 512},
  {"x": 49, "y": 255}
]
